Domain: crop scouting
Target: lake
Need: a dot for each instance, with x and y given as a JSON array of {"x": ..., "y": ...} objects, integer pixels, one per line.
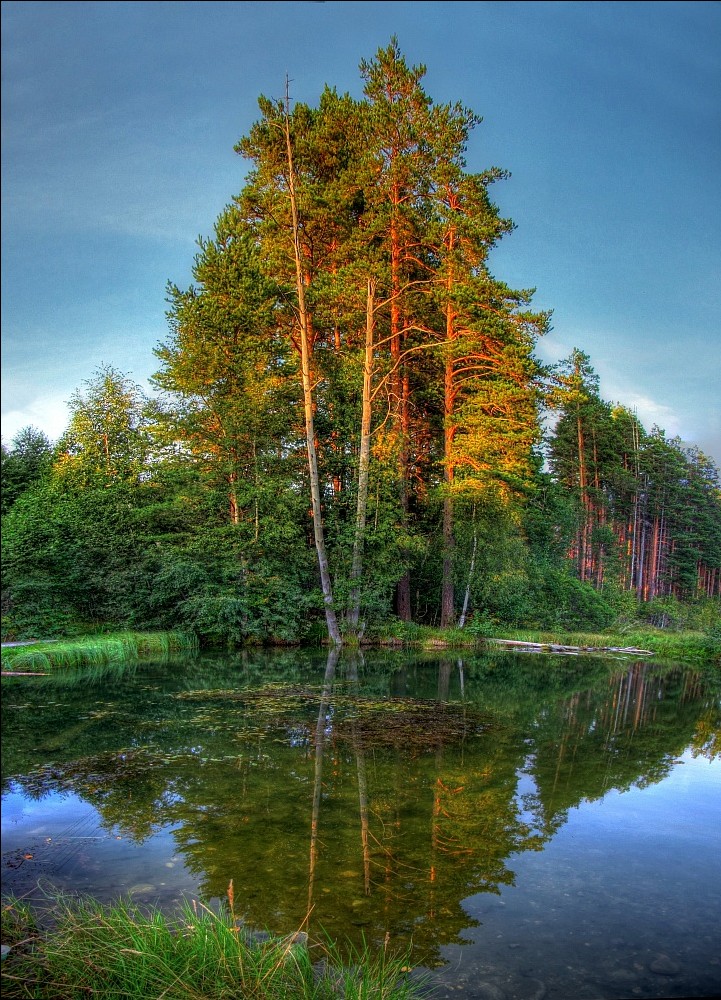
[{"x": 527, "y": 825}]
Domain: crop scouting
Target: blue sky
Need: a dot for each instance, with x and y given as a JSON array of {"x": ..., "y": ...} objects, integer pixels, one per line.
[{"x": 119, "y": 121}]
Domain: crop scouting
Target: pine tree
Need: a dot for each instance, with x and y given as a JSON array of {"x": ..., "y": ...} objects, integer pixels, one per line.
[
  {"x": 24, "y": 464},
  {"x": 226, "y": 372}
]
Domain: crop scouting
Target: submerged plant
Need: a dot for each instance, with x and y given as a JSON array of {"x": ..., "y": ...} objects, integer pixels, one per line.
[{"x": 416, "y": 724}]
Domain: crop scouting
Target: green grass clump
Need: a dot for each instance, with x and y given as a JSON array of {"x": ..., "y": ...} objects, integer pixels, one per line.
[
  {"x": 98, "y": 650},
  {"x": 410, "y": 634},
  {"x": 118, "y": 951}
]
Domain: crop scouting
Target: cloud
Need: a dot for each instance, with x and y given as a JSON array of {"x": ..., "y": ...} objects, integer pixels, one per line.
[
  {"x": 649, "y": 412},
  {"x": 49, "y": 413}
]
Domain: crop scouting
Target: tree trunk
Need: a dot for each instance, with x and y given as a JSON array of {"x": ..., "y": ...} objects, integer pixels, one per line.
[
  {"x": 641, "y": 565},
  {"x": 583, "y": 531},
  {"x": 363, "y": 464},
  {"x": 399, "y": 388},
  {"x": 305, "y": 346},
  {"x": 467, "y": 595},
  {"x": 447, "y": 590}
]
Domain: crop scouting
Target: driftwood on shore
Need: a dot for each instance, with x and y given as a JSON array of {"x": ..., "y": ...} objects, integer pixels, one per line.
[
  {"x": 24, "y": 673},
  {"x": 554, "y": 647}
]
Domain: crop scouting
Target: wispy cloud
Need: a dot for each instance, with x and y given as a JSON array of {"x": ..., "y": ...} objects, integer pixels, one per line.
[
  {"x": 650, "y": 412},
  {"x": 49, "y": 413}
]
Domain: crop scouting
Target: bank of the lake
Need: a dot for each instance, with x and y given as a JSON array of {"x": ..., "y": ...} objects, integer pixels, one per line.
[
  {"x": 667, "y": 644},
  {"x": 80, "y": 947},
  {"x": 105, "y": 649},
  {"x": 94, "y": 650}
]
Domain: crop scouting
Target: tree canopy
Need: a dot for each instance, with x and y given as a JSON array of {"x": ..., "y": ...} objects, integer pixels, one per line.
[{"x": 348, "y": 426}]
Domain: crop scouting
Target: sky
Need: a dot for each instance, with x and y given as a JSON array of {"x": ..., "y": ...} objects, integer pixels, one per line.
[{"x": 119, "y": 122}]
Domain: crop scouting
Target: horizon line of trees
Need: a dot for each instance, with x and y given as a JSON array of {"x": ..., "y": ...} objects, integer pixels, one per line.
[{"x": 349, "y": 420}]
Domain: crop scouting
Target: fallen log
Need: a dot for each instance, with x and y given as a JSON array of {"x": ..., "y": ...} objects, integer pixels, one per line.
[
  {"x": 554, "y": 647},
  {"x": 24, "y": 673}
]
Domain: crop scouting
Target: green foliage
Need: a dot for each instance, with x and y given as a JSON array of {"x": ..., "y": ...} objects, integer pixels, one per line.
[
  {"x": 482, "y": 625},
  {"x": 549, "y": 519},
  {"x": 24, "y": 464},
  {"x": 508, "y": 597},
  {"x": 713, "y": 640},
  {"x": 71, "y": 556},
  {"x": 648, "y": 509},
  {"x": 264, "y": 610},
  {"x": 559, "y": 599},
  {"x": 145, "y": 556},
  {"x": 107, "y": 438},
  {"x": 665, "y": 612}
]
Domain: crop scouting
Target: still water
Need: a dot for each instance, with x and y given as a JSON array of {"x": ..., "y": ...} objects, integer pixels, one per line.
[{"x": 530, "y": 826}]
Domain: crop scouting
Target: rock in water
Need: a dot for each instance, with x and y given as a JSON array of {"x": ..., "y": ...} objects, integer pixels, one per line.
[
  {"x": 530, "y": 989},
  {"x": 486, "y": 991},
  {"x": 662, "y": 965}
]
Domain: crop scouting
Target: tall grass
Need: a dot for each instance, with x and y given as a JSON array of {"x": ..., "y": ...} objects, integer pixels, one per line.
[
  {"x": 97, "y": 650},
  {"x": 118, "y": 951}
]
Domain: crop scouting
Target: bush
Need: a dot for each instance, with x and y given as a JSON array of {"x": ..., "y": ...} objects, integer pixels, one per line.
[
  {"x": 482, "y": 625},
  {"x": 665, "y": 612},
  {"x": 562, "y": 601},
  {"x": 509, "y": 599}
]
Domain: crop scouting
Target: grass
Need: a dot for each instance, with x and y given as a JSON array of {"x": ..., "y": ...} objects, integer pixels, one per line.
[
  {"x": 665, "y": 643},
  {"x": 118, "y": 951},
  {"x": 98, "y": 650},
  {"x": 409, "y": 634}
]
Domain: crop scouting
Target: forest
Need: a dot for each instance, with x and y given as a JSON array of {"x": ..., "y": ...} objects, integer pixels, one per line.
[{"x": 350, "y": 430}]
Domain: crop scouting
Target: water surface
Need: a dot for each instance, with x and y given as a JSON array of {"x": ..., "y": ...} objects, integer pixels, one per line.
[{"x": 528, "y": 825}]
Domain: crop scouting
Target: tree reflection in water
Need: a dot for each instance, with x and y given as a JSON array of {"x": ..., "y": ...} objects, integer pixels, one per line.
[{"x": 372, "y": 804}]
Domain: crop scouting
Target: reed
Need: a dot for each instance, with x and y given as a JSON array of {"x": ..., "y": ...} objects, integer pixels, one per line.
[
  {"x": 98, "y": 650},
  {"x": 119, "y": 951}
]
